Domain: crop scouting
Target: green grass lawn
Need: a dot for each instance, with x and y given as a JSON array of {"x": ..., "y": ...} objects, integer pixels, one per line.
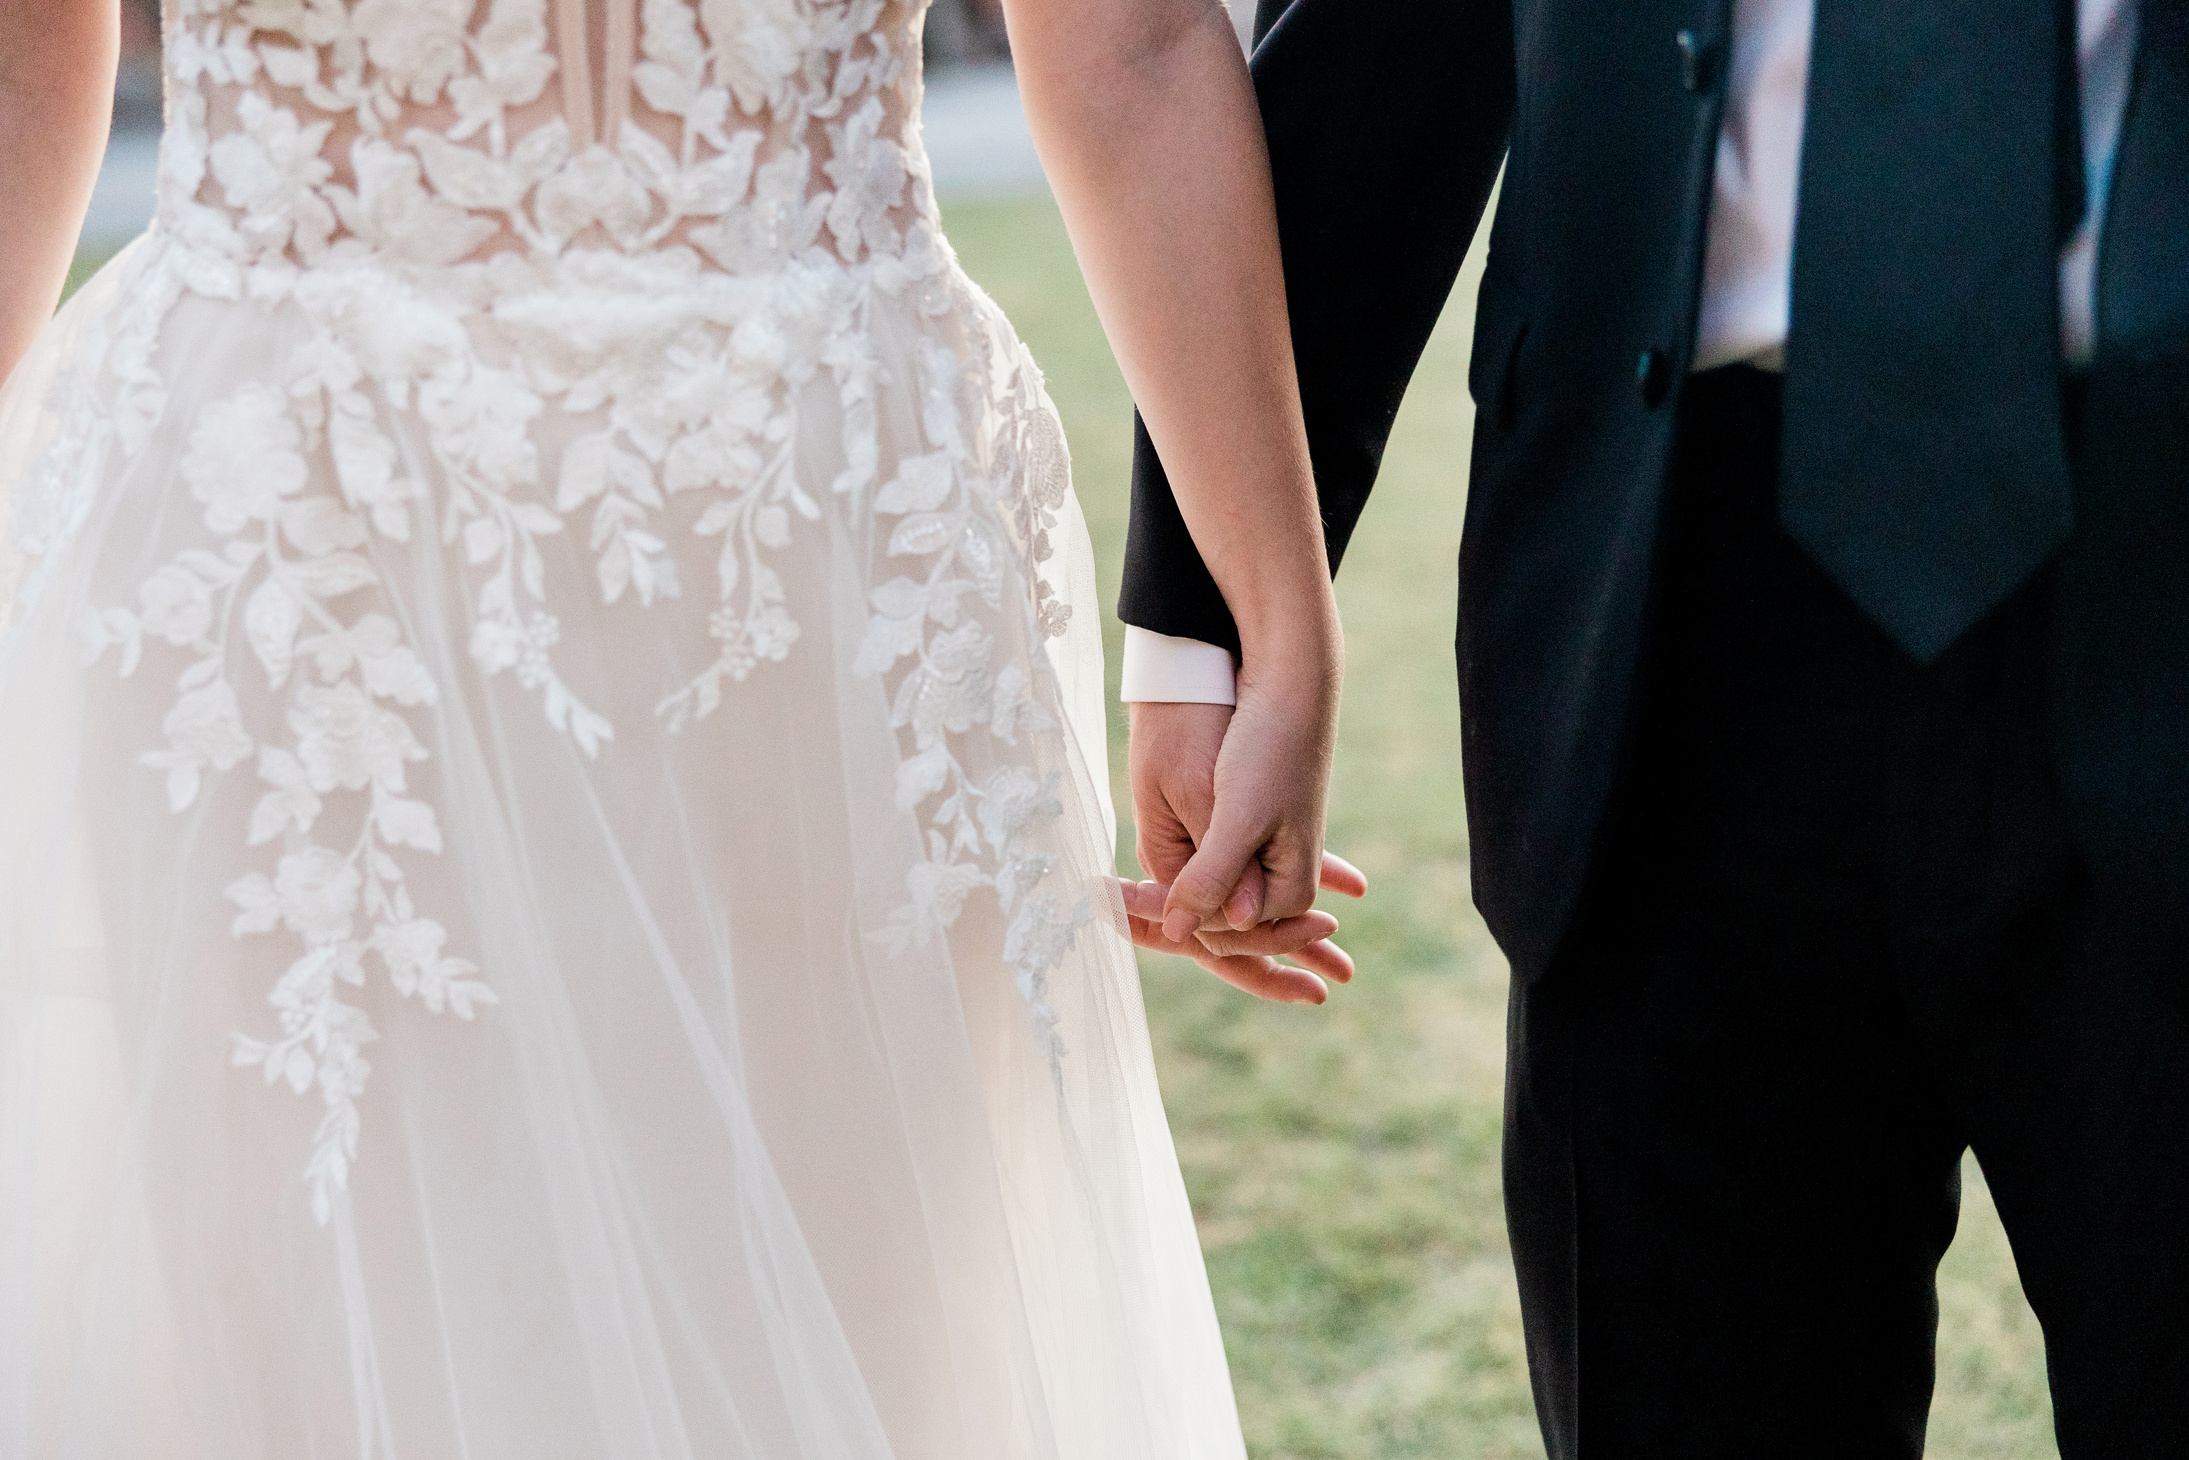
[
  {"x": 89, "y": 262},
  {"x": 1343, "y": 1160}
]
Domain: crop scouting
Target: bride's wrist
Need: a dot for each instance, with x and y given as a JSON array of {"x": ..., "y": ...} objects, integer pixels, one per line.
[{"x": 1300, "y": 647}]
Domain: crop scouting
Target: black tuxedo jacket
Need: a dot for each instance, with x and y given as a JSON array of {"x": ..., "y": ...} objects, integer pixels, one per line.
[{"x": 1388, "y": 121}]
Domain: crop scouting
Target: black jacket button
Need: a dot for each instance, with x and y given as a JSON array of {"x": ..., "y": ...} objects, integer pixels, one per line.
[
  {"x": 1653, "y": 372},
  {"x": 1698, "y": 61}
]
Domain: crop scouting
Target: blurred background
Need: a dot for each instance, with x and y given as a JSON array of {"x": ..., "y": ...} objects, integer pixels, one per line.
[{"x": 1342, "y": 1160}]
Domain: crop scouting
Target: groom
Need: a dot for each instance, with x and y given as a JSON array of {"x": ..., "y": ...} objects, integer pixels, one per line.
[{"x": 1824, "y": 648}]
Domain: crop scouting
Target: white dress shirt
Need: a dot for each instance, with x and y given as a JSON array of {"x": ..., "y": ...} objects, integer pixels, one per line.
[{"x": 1748, "y": 263}]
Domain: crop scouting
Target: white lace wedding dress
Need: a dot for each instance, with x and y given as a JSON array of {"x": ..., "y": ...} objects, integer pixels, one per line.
[{"x": 552, "y": 802}]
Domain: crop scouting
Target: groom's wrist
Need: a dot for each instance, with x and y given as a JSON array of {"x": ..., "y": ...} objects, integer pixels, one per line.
[{"x": 1163, "y": 669}]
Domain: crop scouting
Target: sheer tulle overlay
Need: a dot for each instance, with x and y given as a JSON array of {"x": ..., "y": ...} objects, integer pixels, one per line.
[{"x": 552, "y": 796}]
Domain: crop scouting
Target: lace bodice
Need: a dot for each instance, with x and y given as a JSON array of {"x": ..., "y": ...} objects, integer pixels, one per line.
[{"x": 728, "y": 135}]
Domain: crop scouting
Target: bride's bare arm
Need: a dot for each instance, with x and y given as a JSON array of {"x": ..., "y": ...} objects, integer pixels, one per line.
[
  {"x": 1147, "y": 125},
  {"x": 57, "y": 60}
]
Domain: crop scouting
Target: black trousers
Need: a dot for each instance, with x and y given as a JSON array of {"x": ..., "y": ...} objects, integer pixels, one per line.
[{"x": 1838, "y": 931}]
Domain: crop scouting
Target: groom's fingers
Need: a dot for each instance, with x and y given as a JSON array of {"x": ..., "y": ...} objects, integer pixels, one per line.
[
  {"x": 1341, "y": 876},
  {"x": 1163, "y": 843},
  {"x": 1172, "y": 766}
]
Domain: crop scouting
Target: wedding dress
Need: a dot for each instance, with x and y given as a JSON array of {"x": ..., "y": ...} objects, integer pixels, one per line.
[{"x": 553, "y": 820}]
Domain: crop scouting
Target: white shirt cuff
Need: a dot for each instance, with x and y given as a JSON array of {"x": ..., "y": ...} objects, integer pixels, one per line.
[{"x": 1159, "y": 669}]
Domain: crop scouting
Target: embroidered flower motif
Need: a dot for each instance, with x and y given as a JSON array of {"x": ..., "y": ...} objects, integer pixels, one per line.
[
  {"x": 204, "y": 732},
  {"x": 593, "y": 187},
  {"x": 513, "y": 67},
  {"x": 870, "y": 175},
  {"x": 760, "y": 46},
  {"x": 347, "y": 741},
  {"x": 315, "y": 892},
  {"x": 393, "y": 215},
  {"x": 244, "y": 458},
  {"x": 418, "y": 45},
  {"x": 416, "y": 966},
  {"x": 175, "y": 604},
  {"x": 272, "y": 170},
  {"x": 1011, "y": 801}
]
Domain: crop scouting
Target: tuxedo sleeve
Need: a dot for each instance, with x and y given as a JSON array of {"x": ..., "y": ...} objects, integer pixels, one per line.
[{"x": 1387, "y": 121}]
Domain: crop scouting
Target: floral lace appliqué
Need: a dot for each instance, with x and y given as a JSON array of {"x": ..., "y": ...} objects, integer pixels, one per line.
[
  {"x": 335, "y": 809},
  {"x": 523, "y": 314},
  {"x": 970, "y": 519}
]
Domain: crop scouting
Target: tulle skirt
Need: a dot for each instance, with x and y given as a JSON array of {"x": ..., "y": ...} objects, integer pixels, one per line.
[{"x": 667, "y": 1011}]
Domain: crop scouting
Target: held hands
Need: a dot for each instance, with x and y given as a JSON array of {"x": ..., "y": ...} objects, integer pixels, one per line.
[
  {"x": 1229, "y": 809},
  {"x": 1248, "y": 960}
]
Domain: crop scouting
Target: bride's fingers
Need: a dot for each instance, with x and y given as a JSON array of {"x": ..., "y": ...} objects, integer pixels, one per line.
[
  {"x": 1253, "y": 973},
  {"x": 1149, "y": 935},
  {"x": 1338, "y": 875},
  {"x": 1282, "y": 938},
  {"x": 1257, "y": 974},
  {"x": 1342, "y": 877},
  {"x": 1304, "y": 939},
  {"x": 1266, "y": 978},
  {"x": 1147, "y": 932},
  {"x": 1145, "y": 899}
]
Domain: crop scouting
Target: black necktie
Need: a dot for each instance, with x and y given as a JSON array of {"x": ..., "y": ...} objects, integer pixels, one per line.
[{"x": 1924, "y": 460}]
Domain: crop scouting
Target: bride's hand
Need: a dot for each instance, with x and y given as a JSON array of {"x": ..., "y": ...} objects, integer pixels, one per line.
[
  {"x": 1175, "y": 755},
  {"x": 1248, "y": 960}
]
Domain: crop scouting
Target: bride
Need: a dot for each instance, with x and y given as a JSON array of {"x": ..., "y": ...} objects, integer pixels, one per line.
[{"x": 554, "y": 834}]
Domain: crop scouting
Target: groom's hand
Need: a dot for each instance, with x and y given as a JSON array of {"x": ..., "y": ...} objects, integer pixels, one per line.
[
  {"x": 1172, "y": 758},
  {"x": 1174, "y": 752}
]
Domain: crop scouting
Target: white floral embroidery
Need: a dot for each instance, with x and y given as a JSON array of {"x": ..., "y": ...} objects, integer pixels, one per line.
[
  {"x": 525, "y": 343},
  {"x": 286, "y": 563},
  {"x": 954, "y": 509}
]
